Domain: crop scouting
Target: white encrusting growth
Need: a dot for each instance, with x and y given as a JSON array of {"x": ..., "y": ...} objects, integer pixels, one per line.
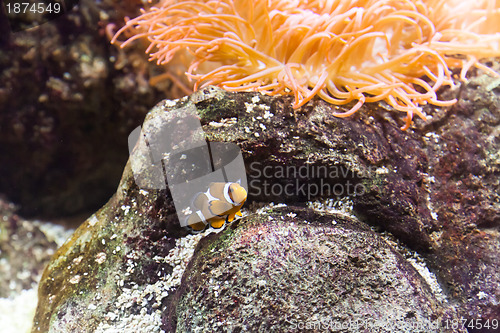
[
  {"x": 149, "y": 296},
  {"x": 342, "y": 206}
]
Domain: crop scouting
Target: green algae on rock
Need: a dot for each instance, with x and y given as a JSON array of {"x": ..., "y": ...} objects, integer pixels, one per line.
[{"x": 80, "y": 287}]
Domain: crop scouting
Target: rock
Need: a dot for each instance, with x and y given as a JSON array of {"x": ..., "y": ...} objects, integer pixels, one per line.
[
  {"x": 435, "y": 187},
  {"x": 464, "y": 196},
  {"x": 26, "y": 247},
  {"x": 122, "y": 267},
  {"x": 294, "y": 270},
  {"x": 103, "y": 268}
]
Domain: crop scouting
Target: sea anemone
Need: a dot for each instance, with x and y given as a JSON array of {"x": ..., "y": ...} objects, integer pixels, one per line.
[{"x": 344, "y": 51}]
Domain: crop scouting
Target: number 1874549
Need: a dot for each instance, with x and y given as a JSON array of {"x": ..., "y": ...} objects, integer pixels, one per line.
[
  {"x": 477, "y": 324},
  {"x": 35, "y": 8}
]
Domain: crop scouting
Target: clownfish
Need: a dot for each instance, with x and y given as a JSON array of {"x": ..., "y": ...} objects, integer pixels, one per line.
[{"x": 221, "y": 203}]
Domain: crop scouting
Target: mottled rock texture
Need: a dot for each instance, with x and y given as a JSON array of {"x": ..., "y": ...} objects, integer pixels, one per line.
[
  {"x": 434, "y": 187},
  {"x": 26, "y": 247},
  {"x": 293, "y": 270}
]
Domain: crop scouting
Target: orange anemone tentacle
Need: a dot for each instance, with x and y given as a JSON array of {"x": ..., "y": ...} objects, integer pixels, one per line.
[{"x": 400, "y": 52}]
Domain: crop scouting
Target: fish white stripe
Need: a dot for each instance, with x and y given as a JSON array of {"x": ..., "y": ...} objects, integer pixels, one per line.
[
  {"x": 201, "y": 216},
  {"x": 226, "y": 193},
  {"x": 210, "y": 197}
]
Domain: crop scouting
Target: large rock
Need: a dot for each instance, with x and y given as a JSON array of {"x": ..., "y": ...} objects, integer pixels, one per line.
[
  {"x": 294, "y": 270},
  {"x": 122, "y": 267}
]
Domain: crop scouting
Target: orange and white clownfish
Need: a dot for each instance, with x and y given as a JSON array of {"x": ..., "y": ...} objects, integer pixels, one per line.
[{"x": 218, "y": 205}]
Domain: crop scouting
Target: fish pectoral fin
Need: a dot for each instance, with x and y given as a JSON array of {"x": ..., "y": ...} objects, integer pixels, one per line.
[
  {"x": 217, "y": 223},
  {"x": 230, "y": 217},
  {"x": 219, "y": 207}
]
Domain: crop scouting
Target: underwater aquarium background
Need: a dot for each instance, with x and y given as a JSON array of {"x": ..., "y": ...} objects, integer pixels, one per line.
[
  {"x": 68, "y": 101},
  {"x": 404, "y": 122}
]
